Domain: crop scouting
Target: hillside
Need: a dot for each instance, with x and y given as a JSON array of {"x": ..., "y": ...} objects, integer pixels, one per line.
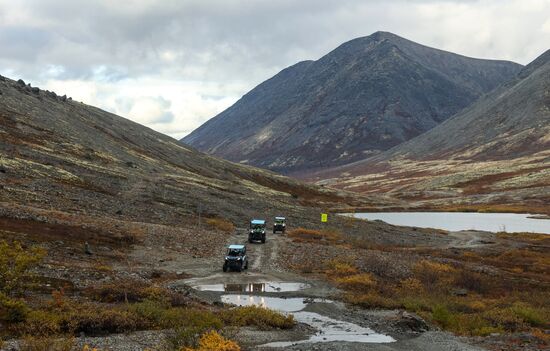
[
  {"x": 60, "y": 154},
  {"x": 366, "y": 96},
  {"x": 496, "y": 151}
]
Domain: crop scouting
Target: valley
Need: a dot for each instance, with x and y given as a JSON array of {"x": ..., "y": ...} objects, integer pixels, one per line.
[{"x": 112, "y": 235}]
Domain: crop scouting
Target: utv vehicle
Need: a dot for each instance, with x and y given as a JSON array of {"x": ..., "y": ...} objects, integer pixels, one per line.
[
  {"x": 279, "y": 225},
  {"x": 257, "y": 231},
  {"x": 236, "y": 258}
]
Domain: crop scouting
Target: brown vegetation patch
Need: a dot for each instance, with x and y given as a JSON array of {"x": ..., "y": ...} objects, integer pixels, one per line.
[
  {"x": 482, "y": 184},
  {"x": 221, "y": 224},
  {"x": 327, "y": 236},
  {"x": 43, "y": 231}
]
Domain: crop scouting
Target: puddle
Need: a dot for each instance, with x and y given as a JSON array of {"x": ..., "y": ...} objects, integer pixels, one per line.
[
  {"x": 254, "y": 287},
  {"x": 293, "y": 304},
  {"x": 328, "y": 329}
]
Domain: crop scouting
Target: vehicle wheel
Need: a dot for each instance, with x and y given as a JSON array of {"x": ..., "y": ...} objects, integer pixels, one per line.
[
  {"x": 224, "y": 268},
  {"x": 263, "y": 240},
  {"x": 250, "y": 240},
  {"x": 274, "y": 231},
  {"x": 246, "y": 265}
]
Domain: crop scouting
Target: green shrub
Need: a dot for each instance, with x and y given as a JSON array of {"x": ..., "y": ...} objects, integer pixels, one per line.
[
  {"x": 33, "y": 343},
  {"x": 189, "y": 325},
  {"x": 15, "y": 266},
  {"x": 12, "y": 310},
  {"x": 443, "y": 316},
  {"x": 260, "y": 317},
  {"x": 530, "y": 315}
]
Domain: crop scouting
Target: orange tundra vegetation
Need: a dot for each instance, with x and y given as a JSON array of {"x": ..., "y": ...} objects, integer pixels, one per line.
[
  {"x": 326, "y": 236},
  {"x": 221, "y": 224},
  {"x": 475, "y": 293}
]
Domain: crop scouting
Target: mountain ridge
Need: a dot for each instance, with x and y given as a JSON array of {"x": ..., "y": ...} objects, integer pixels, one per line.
[
  {"x": 366, "y": 96},
  {"x": 496, "y": 151}
]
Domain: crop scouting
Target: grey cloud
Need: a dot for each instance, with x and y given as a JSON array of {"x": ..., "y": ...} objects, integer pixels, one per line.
[{"x": 238, "y": 43}]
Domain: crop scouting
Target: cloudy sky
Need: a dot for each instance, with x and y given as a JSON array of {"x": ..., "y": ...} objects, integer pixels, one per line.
[{"x": 171, "y": 65}]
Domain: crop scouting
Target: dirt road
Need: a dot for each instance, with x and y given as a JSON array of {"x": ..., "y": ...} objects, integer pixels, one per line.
[{"x": 408, "y": 332}]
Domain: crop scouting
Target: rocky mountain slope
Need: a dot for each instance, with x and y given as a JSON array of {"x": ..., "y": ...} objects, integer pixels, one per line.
[
  {"x": 59, "y": 154},
  {"x": 496, "y": 151},
  {"x": 366, "y": 96}
]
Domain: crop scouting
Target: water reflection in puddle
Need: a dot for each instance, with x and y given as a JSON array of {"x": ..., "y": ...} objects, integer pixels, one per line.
[
  {"x": 328, "y": 329},
  {"x": 254, "y": 287},
  {"x": 275, "y": 303}
]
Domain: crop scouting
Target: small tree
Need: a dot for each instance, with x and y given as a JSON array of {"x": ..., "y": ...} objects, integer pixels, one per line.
[{"x": 16, "y": 265}]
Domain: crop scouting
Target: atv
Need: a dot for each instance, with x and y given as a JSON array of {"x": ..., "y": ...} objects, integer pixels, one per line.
[
  {"x": 257, "y": 231},
  {"x": 236, "y": 258},
  {"x": 279, "y": 225}
]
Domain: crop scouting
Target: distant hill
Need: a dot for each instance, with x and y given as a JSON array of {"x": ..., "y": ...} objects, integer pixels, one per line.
[
  {"x": 364, "y": 97},
  {"x": 497, "y": 151},
  {"x": 59, "y": 154}
]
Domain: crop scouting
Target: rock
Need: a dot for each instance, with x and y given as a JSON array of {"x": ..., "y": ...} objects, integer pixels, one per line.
[
  {"x": 409, "y": 321},
  {"x": 21, "y": 82},
  {"x": 87, "y": 249},
  {"x": 35, "y": 90},
  {"x": 460, "y": 292}
]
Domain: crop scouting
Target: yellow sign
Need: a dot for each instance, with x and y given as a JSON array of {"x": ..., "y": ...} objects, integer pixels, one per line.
[{"x": 324, "y": 217}]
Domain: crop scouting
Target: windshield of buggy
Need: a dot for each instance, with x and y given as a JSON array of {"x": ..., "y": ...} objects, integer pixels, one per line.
[{"x": 234, "y": 252}]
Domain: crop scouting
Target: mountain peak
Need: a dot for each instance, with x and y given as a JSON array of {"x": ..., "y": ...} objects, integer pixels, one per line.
[
  {"x": 366, "y": 96},
  {"x": 382, "y": 35}
]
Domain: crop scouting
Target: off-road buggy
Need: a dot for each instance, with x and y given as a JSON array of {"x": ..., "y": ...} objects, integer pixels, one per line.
[
  {"x": 257, "y": 231},
  {"x": 236, "y": 258},
  {"x": 279, "y": 225}
]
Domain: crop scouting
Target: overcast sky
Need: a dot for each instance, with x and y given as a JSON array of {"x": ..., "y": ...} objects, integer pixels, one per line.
[{"x": 171, "y": 65}]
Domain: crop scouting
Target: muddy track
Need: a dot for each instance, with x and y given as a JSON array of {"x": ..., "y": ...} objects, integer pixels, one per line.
[
  {"x": 469, "y": 239},
  {"x": 264, "y": 268}
]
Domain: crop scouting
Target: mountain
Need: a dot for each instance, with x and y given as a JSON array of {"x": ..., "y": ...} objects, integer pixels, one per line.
[
  {"x": 62, "y": 155},
  {"x": 366, "y": 96},
  {"x": 497, "y": 151}
]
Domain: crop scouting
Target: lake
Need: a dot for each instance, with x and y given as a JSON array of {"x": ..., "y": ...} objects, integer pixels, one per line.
[{"x": 456, "y": 221}]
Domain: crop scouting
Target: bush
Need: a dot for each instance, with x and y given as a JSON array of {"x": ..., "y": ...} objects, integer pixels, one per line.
[
  {"x": 339, "y": 268},
  {"x": 212, "y": 341},
  {"x": 430, "y": 273},
  {"x": 356, "y": 282},
  {"x": 442, "y": 316},
  {"x": 15, "y": 266},
  {"x": 189, "y": 325},
  {"x": 530, "y": 315},
  {"x": 221, "y": 224},
  {"x": 316, "y": 236},
  {"x": 257, "y": 316},
  {"x": 32, "y": 343},
  {"x": 73, "y": 317},
  {"x": 12, "y": 310}
]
